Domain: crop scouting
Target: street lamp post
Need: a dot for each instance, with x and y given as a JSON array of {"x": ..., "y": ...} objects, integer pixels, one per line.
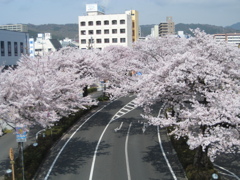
[{"x": 36, "y": 144}]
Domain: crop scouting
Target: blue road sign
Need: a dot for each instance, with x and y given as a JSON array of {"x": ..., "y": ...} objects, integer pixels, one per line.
[{"x": 21, "y": 134}]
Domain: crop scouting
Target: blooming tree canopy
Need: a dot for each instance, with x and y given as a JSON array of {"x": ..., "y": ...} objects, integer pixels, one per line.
[
  {"x": 42, "y": 90},
  {"x": 198, "y": 79}
]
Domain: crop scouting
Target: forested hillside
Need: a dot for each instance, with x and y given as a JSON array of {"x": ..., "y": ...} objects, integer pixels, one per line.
[{"x": 71, "y": 30}]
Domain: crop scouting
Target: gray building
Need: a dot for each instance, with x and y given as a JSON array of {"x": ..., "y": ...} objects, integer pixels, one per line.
[{"x": 13, "y": 45}]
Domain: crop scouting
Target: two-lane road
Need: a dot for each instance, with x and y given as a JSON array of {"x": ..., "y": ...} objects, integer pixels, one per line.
[{"x": 111, "y": 145}]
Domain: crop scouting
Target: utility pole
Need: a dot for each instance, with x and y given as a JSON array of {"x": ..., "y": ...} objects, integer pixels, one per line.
[{"x": 11, "y": 155}]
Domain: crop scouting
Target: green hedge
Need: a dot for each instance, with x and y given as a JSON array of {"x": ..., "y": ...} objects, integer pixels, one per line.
[{"x": 186, "y": 157}]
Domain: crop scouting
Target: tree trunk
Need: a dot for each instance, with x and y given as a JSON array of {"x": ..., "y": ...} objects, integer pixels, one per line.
[{"x": 201, "y": 160}]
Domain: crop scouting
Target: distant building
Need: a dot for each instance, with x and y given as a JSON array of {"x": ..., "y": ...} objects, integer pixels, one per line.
[
  {"x": 98, "y": 30},
  {"x": 135, "y": 24},
  {"x": 231, "y": 38},
  {"x": 45, "y": 44},
  {"x": 68, "y": 43},
  {"x": 167, "y": 28},
  {"x": 15, "y": 27},
  {"x": 155, "y": 31},
  {"x": 13, "y": 45}
]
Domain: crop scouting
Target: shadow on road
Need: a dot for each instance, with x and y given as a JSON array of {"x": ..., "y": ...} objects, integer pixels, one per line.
[{"x": 80, "y": 150}]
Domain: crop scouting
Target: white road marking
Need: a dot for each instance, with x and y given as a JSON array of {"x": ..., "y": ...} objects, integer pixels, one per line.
[
  {"x": 234, "y": 175},
  {"x": 96, "y": 150},
  {"x": 118, "y": 128},
  {"x": 126, "y": 153},
  {"x": 124, "y": 110},
  {"x": 160, "y": 143},
  {"x": 116, "y": 116},
  {"x": 164, "y": 155},
  {"x": 145, "y": 125},
  {"x": 56, "y": 158}
]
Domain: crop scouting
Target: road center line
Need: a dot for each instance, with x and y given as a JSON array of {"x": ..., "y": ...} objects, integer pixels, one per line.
[
  {"x": 115, "y": 117},
  {"x": 126, "y": 153}
]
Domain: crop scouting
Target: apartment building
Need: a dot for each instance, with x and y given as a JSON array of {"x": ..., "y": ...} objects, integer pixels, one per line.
[
  {"x": 167, "y": 28},
  {"x": 231, "y": 38},
  {"x": 13, "y": 45},
  {"x": 98, "y": 30},
  {"x": 15, "y": 27}
]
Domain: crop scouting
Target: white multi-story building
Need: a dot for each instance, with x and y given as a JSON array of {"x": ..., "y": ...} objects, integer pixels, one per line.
[
  {"x": 231, "y": 38},
  {"x": 98, "y": 30}
]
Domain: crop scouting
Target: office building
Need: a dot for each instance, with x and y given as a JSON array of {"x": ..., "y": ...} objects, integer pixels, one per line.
[
  {"x": 167, "y": 28},
  {"x": 13, "y": 45},
  {"x": 15, "y": 27},
  {"x": 98, "y": 30},
  {"x": 231, "y": 38}
]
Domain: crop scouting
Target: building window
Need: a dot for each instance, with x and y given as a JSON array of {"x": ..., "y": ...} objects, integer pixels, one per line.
[
  {"x": 98, "y": 32},
  {"x": 106, "y": 40},
  {"x": 15, "y": 49},
  {"x": 114, "y": 31},
  {"x": 99, "y": 41},
  {"x": 98, "y": 23},
  {"x": 2, "y": 48},
  {"x": 122, "y": 40},
  {"x": 9, "y": 49},
  {"x": 21, "y": 47},
  {"x": 106, "y": 31},
  {"x": 122, "y": 21},
  {"x": 82, "y": 23},
  {"x": 106, "y": 22},
  {"x": 83, "y": 41},
  {"x": 114, "y": 40},
  {"x": 90, "y": 23},
  {"x": 83, "y": 32},
  {"x": 90, "y": 32},
  {"x": 114, "y": 22},
  {"x": 122, "y": 31}
]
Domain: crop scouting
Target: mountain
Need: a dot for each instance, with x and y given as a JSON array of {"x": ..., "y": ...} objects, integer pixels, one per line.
[
  {"x": 71, "y": 30},
  {"x": 57, "y": 31},
  {"x": 209, "y": 29},
  {"x": 235, "y": 26}
]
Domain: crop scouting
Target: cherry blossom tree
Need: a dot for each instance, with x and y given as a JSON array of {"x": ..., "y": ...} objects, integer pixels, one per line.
[
  {"x": 42, "y": 90},
  {"x": 198, "y": 79}
]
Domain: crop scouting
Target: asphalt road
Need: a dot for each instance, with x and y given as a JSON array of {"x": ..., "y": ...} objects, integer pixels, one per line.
[
  {"x": 120, "y": 150},
  {"x": 124, "y": 151},
  {"x": 8, "y": 141}
]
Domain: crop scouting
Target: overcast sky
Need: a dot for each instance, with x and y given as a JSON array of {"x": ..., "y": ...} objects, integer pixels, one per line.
[{"x": 214, "y": 12}]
